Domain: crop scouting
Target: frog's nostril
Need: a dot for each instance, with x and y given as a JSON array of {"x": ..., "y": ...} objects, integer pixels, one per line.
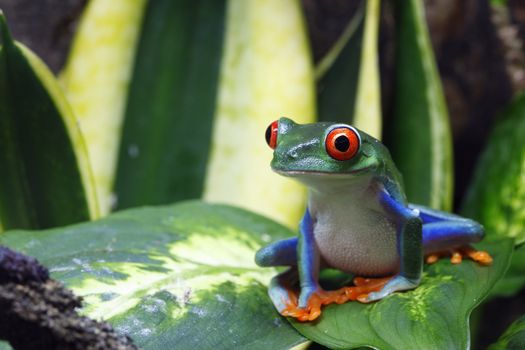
[{"x": 293, "y": 154}]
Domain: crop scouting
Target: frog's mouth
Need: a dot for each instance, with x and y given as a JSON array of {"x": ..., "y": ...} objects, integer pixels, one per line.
[{"x": 301, "y": 173}]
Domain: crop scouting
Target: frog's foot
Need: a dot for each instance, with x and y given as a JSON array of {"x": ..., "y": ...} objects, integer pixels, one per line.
[
  {"x": 312, "y": 309},
  {"x": 363, "y": 286},
  {"x": 387, "y": 287},
  {"x": 456, "y": 255}
]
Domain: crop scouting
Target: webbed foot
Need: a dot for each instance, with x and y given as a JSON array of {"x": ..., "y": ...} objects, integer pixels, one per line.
[
  {"x": 457, "y": 254},
  {"x": 391, "y": 285},
  {"x": 312, "y": 309},
  {"x": 319, "y": 298}
]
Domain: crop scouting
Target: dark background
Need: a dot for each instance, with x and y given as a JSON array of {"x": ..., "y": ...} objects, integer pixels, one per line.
[{"x": 479, "y": 50}]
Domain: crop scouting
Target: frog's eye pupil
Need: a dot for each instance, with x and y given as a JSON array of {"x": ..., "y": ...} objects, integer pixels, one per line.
[
  {"x": 268, "y": 134},
  {"x": 342, "y": 143},
  {"x": 271, "y": 134}
]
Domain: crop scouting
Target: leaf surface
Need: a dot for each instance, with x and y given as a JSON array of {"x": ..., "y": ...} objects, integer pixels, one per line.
[
  {"x": 181, "y": 276},
  {"x": 171, "y": 103},
  {"x": 496, "y": 197},
  {"x": 96, "y": 82},
  {"x": 266, "y": 73},
  {"x": 432, "y": 316},
  {"x": 418, "y": 132},
  {"x": 348, "y": 86},
  {"x": 513, "y": 338},
  {"x": 46, "y": 178}
]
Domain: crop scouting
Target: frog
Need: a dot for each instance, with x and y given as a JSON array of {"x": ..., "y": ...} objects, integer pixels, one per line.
[{"x": 357, "y": 221}]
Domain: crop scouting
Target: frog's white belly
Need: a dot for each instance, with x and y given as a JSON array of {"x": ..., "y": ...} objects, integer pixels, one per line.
[{"x": 355, "y": 236}]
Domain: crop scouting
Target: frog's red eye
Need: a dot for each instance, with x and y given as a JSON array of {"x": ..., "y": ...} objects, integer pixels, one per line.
[
  {"x": 271, "y": 134},
  {"x": 342, "y": 143}
]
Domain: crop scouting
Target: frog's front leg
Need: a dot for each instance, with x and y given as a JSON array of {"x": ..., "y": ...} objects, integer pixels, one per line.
[
  {"x": 281, "y": 288},
  {"x": 409, "y": 245},
  {"x": 311, "y": 296}
]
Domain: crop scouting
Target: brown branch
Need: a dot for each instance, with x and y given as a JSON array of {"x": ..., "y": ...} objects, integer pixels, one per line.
[{"x": 39, "y": 313}]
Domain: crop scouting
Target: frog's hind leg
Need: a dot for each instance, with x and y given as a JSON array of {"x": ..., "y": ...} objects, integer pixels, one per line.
[{"x": 446, "y": 234}]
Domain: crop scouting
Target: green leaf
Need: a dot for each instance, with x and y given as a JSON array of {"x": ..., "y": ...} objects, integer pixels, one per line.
[
  {"x": 180, "y": 276},
  {"x": 514, "y": 279},
  {"x": 418, "y": 132},
  {"x": 433, "y": 316},
  {"x": 171, "y": 103},
  {"x": 349, "y": 89},
  {"x": 513, "y": 338},
  {"x": 46, "y": 178},
  {"x": 266, "y": 73},
  {"x": 496, "y": 197},
  {"x": 96, "y": 82},
  {"x": 338, "y": 73}
]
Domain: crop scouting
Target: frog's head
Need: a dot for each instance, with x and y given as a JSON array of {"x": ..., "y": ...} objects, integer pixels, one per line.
[{"x": 309, "y": 150}]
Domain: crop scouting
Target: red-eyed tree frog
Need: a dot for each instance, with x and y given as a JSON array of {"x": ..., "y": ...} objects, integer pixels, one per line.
[{"x": 357, "y": 220}]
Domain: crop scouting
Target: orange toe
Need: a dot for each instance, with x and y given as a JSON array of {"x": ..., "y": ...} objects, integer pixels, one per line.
[
  {"x": 363, "y": 286},
  {"x": 317, "y": 300},
  {"x": 479, "y": 256},
  {"x": 456, "y": 255},
  {"x": 432, "y": 258}
]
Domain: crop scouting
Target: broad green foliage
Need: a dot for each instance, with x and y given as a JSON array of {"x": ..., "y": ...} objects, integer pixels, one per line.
[
  {"x": 181, "y": 276},
  {"x": 497, "y": 195},
  {"x": 433, "y": 316},
  {"x": 96, "y": 81},
  {"x": 170, "y": 107},
  {"x": 266, "y": 74},
  {"x": 46, "y": 178},
  {"x": 514, "y": 278},
  {"x": 417, "y": 133},
  {"x": 513, "y": 338}
]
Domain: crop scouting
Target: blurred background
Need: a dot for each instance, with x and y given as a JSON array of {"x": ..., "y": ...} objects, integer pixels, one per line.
[{"x": 480, "y": 54}]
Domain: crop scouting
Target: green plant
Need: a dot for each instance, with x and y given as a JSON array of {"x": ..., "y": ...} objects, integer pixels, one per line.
[{"x": 194, "y": 87}]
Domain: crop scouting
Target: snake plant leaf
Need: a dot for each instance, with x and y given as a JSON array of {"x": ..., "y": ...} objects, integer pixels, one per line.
[
  {"x": 496, "y": 197},
  {"x": 180, "y": 276},
  {"x": 168, "y": 118},
  {"x": 266, "y": 74},
  {"x": 349, "y": 89},
  {"x": 418, "y": 132},
  {"x": 46, "y": 178},
  {"x": 513, "y": 338},
  {"x": 96, "y": 81},
  {"x": 432, "y": 316},
  {"x": 338, "y": 73}
]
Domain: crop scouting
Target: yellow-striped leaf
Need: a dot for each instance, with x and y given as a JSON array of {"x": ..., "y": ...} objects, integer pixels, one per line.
[
  {"x": 266, "y": 73},
  {"x": 45, "y": 178},
  {"x": 96, "y": 81}
]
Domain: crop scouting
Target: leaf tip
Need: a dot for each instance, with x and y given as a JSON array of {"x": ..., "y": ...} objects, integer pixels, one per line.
[{"x": 5, "y": 34}]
